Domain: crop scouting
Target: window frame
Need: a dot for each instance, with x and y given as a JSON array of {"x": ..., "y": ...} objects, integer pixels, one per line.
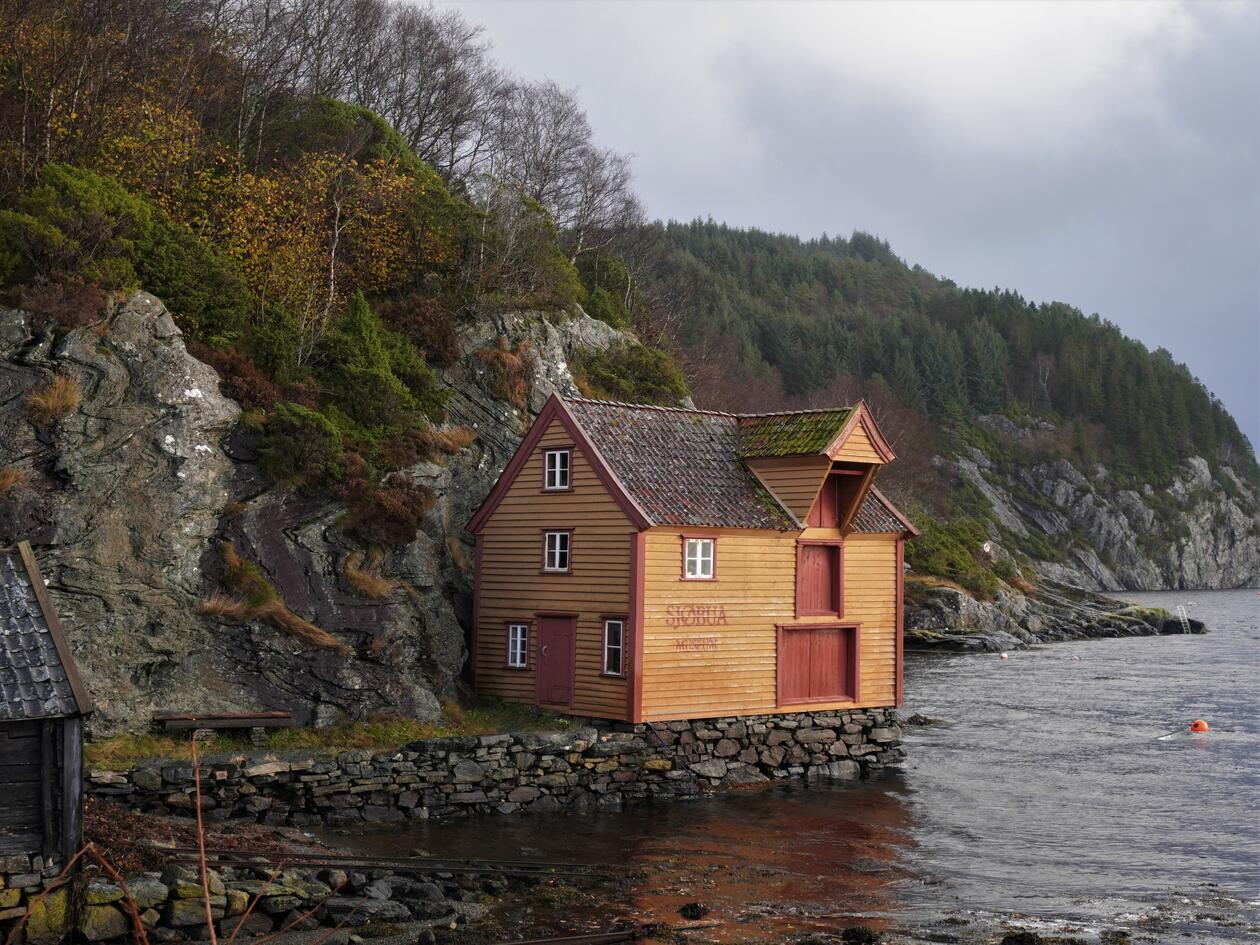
[
  {"x": 549, "y": 451},
  {"x": 546, "y": 534},
  {"x": 837, "y": 577},
  {"x": 621, "y": 645},
  {"x": 712, "y": 575},
  {"x": 511, "y": 625}
]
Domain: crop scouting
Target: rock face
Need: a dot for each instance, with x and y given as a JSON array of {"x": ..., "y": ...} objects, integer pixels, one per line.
[
  {"x": 947, "y": 618},
  {"x": 130, "y": 493},
  {"x": 1203, "y": 531}
]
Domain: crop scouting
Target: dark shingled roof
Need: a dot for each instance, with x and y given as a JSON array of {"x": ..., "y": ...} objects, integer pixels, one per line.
[
  {"x": 681, "y": 466},
  {"x": 33, "y": 680},
  {"x": 874, "y": 515},
  {"x": 790, "y": 434}
]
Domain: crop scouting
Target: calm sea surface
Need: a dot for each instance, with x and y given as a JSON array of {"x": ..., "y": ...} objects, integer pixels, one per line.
[{"x": 1047, "y": 793}]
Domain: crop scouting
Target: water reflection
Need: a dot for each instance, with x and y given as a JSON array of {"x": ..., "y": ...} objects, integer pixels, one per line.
[{"x": 790, "y": 856}]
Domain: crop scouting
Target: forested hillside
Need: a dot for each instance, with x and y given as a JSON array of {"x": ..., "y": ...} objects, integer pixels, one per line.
[{"x": 326, "y": 193}]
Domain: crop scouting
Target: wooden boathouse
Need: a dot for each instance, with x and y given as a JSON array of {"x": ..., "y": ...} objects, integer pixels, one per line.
[
  {"x": 42, "y": 707},
  {"x": 646, "y": 563}
]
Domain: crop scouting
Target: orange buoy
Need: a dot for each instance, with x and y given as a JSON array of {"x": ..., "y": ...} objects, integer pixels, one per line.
[{"x": 1198, "y": 725}]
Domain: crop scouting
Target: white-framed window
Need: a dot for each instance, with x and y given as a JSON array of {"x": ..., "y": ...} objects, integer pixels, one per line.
[
  {"x": 556, "y": 470},
  {"x": 698, "y": 559},
  {"x": 614, "y": 647},
  {"x": 518, "y": 645},
  {"x": 556, "y": 548}
]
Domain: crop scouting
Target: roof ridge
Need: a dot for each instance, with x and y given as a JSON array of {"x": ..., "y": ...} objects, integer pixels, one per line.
[{"x": 715, "y": 413}]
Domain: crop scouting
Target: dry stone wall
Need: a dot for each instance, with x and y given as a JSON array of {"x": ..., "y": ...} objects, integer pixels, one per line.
[{"x": 587, "y": 768}]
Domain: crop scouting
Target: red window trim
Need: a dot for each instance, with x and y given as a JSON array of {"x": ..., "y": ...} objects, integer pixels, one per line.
[
  {"x": 604, "y": 620},
  {"x": 838, "y": 576},
  {"x": 568, "y": 448},
  {"x": 856, "y": 666},
  {"x": 684, "y": 537},
  {"x": 542, "y": 564},
  {"x": 507, "y": 644}
]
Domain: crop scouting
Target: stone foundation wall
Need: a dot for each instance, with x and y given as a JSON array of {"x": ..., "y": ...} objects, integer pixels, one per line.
[
  {"x": 23, "y": 878},
  {"x": 586, "y": 768}
]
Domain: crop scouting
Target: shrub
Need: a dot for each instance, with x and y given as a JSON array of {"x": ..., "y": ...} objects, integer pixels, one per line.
[
  {"x": 301, "y": 447},
  {"x": 426, "y": 322},
  {"x": 629, "y": 372},
  {"x": 952, "y": 549},
  {"x": 386, "y": 514},
  {"x": 53, "y": 401},
  {"x": 239, "y": 377},
  {"x": 73, "y": 225},
  {"x": 68, "y": 304},
  {"x": 607, "y": 282}
]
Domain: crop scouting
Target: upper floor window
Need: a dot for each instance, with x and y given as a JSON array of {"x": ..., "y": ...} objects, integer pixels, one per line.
[
  {"x": 556, "y": 551},
  {"x": 518, "y": 645},
  {"x": 698, "y": 561},
  {"x": 556, "y": 470},
  {"x": 614, "y": 647}
]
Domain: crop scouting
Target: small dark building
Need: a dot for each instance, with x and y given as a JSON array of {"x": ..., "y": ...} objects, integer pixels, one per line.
[{"x": 42, "y": 705}]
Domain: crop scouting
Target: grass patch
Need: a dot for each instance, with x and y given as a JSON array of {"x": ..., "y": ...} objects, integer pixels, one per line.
[
  {"x": 54, "y": 401},
  {"x": 10, "y": 478},
  {"x": 485, "y": 717},
  {"x": 507, "y": 369},
  {"x": 247, "y": 595},
  {"x": 364, "y": 577},
  {"x": 448, "y": 440}
]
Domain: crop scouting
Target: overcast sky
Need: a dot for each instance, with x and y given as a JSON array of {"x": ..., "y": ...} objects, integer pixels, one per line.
[{"x": 1105, "y": 155}]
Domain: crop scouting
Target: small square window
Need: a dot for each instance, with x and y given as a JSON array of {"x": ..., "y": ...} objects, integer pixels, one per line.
[
  {"x": 698, "y": 559},
  {"x": 518, "y": 645},
  {"x": 614, "y": 647},
  {"x": 556, "y": 465},
  {"x": 555, "y": 551}
]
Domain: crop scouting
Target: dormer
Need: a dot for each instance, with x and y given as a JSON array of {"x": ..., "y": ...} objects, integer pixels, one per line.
[{"x": 819, "y": 464}]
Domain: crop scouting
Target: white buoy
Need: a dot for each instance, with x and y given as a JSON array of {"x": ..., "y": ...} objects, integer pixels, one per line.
[{"x": 1005, "y": 657}]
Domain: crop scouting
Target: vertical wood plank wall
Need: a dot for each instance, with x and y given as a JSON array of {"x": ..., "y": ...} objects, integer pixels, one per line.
[
  {"x": 794, "y": 480},
  {"x": 858, "y": 448},
  {"x": 706, "y": 670},
  {"x": 512, "y": 589}
]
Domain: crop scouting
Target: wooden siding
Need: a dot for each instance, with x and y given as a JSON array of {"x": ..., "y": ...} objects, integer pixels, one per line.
[
  {"x": 794, "y": 480},
  {"x": 700, "y": 663},
  {"x": 512, "y": 589},
  {"x": 858, "y": 448}
]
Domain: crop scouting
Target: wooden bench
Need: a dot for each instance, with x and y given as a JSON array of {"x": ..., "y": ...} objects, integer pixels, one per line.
[{"x": 184, "y": 721}]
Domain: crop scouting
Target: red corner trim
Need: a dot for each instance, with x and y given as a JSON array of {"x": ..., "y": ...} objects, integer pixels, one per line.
[
  {"x": 899, "y": 682},
  {"x": 634, "y": 666},
  {"x": 862, "y": 416},
  {"x": 911, "y": 531},
  {"x": 555, "y": 409},
  {"x": 478, "y": 554}
]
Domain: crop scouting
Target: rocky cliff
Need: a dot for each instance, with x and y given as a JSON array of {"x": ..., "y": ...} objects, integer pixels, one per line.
[
  {"x": 129, "y": 494},
  {"x": 1082, "y": 527}
]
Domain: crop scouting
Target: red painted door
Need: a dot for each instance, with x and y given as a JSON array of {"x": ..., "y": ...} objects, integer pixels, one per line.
[
  {"x": 557, "y": 638},
  {"x": 818, "y": 665},
  {"x": 819, "y": 594}
]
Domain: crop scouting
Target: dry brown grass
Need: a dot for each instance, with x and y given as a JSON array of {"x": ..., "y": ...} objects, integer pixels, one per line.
[
  {"x": 249, "y": 596},
  {"x": 507, "y": 365},
  {"x": 223, "y": 605},
  {"x": 365, "y": 577},
  {"x": 449, "y": 440},
  {"x": 11, "y": 477},
  {"x": 280, "y": 617},
  {"x": 455, "y": 548},
  {"x": 57, "y": 399},
  {"x": 931, "y": 580}
]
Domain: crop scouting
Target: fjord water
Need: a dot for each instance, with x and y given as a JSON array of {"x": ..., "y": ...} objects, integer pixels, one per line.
[{"x": 1046, "y": 792}]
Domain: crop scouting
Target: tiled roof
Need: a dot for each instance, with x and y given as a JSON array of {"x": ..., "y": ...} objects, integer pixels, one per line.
[
  {"x": 790, "y": 434},
  {"x": 681, "y": 466},
  {"x": 33, "y": 681},
  {"x": 874, "y": 515}
]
